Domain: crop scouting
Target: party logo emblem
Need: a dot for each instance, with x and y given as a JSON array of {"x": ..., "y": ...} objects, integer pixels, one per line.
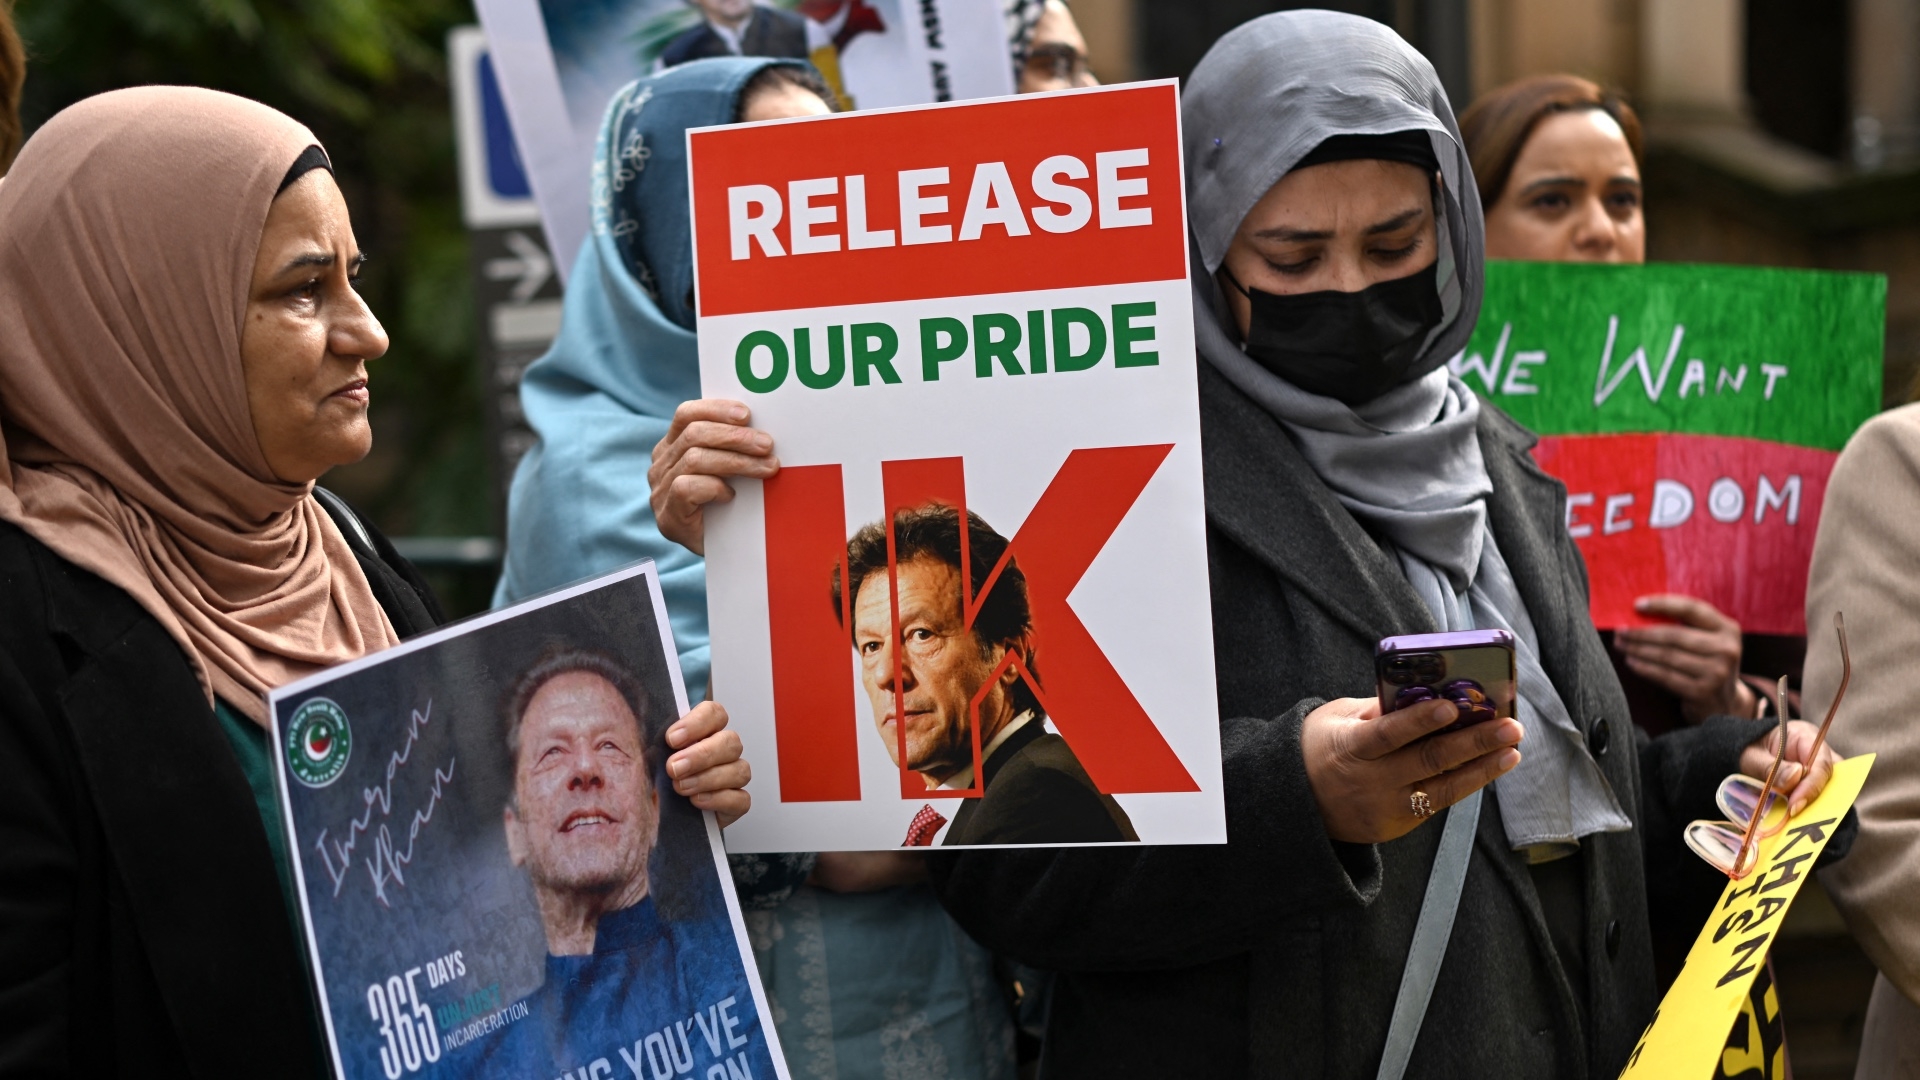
[{"x": 318, "y": 742}]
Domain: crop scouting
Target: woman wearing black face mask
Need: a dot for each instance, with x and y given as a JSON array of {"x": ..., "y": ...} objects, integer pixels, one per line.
[
  {"x": 1331, "y": 280},
  {"x": 1354, "y": 491}
]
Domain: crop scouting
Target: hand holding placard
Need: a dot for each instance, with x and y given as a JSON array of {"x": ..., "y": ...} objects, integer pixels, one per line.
[
  {"x": 1689, "y": 1030},
  {"x": 708, "y": 441}
]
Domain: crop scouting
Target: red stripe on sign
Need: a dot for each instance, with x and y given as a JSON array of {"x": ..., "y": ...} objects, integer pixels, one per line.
[
  {"x": 1086, "y": 698},
  {"x": 1047, "y": 192},
  {"x": 813, "y": 710},
  {"x": 1731, "y": 521},
  {"x": 908, "y": 485}
]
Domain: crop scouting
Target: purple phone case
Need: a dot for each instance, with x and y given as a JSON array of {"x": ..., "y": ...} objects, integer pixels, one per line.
[{"x": 1472, "y": 668}]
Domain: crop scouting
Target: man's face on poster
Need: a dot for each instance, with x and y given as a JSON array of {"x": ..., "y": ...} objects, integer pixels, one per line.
[
  {"x": 585, "y": 814},
  {"x": 942, "y": 665},
  {"x": 725, "y": 12}
]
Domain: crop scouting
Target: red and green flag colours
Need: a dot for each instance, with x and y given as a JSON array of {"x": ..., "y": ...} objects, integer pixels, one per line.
[{"x": 1694, "y": 413}]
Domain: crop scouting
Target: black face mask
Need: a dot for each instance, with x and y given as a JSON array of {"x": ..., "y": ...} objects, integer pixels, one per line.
[{"x": 1353, "y": 346}]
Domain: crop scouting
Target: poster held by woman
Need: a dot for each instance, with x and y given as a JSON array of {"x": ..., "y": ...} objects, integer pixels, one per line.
[{"x": 496, "y": 873}]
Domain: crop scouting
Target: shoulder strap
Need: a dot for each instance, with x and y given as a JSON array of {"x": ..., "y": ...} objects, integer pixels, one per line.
[
  {"x": 341, "y": 513},
  {"x": 406, "y": 597},
  {"x": 1430, "y": 934}
]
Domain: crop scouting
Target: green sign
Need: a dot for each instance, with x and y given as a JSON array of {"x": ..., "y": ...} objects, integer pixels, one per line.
[{"x": 1788, "y": 356}]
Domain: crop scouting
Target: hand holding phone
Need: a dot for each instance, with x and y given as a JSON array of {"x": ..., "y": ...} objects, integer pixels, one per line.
[{"x": 1474, "y": 669}]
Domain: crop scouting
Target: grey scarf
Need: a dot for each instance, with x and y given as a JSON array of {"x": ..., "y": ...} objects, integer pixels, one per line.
[{"x": 1407, "y": 464}]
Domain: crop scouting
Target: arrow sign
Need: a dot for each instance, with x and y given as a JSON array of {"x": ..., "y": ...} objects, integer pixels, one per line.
[{"x": 529, "y": 263}]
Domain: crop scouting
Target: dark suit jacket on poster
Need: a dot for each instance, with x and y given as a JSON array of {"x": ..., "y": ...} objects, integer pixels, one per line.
[
  {"x": 1037, "y": 793},
  {"x": 143, "y": 931},
  {"x": 770, "y": 33}
]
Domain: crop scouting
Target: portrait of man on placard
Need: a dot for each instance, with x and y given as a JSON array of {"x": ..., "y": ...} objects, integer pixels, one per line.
[
  {"x": 496, "y": 875},
  {"x": 818, "y": 31},
  {"x": 922, "y": 678},
  {"x": 582, "y": 823},
  {"x": 739, "y": 28}
]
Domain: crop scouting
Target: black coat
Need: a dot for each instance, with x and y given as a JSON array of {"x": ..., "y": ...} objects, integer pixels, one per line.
[
  {"x": 1036, "y": 791},
  {"x": 1279, "y": 954},
  {"x": 771, "y": 32},
  {"x": 142, "y": 927}
]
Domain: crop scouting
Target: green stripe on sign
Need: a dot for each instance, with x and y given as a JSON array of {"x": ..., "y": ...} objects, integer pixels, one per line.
[{"x": 1789, "y": 356}]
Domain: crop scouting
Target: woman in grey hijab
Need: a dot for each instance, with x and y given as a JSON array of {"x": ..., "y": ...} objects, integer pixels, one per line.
[{"x": 1355, "y": 491}]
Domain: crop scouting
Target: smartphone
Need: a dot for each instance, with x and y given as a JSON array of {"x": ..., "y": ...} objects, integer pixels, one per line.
[{"x": 1472, "y": 668}]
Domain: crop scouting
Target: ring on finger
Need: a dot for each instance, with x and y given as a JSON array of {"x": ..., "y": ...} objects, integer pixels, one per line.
[{"x": 1421, "y": 805}]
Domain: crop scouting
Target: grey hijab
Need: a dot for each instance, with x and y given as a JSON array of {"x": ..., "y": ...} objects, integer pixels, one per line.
[{"x": 1407, "y": 464}]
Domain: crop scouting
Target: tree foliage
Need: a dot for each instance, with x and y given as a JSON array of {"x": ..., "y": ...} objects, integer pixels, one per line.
[{"x": 370, "y": 78}]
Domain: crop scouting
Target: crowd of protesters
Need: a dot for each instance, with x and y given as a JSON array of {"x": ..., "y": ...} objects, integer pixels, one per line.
[{"x": 183, "y": 357}]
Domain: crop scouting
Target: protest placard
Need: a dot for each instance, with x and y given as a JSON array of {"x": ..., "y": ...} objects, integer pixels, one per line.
[
  {"x": 976, "y": 309},
  {"x": 494, "y": 875},
  {"x": 1694, "y": 413},
  {"x": 560, "y": 62},
  {"x": 1689, "y": 1030}
]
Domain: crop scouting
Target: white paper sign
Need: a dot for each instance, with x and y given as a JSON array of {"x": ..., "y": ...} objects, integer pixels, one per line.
[{"x": 977, "y": 309}]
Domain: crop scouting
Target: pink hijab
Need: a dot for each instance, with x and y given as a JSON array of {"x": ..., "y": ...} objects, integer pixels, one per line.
[{"x": 128, "y": 230}]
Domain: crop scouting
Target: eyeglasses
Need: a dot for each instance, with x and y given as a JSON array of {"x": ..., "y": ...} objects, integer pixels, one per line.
[
  {"x": 1057, "y": 61},
  {"x": 1756, "y": 810}
]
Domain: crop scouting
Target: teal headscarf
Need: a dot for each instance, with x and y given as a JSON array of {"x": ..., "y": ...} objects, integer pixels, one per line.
[{"x": 625, "y": 359}]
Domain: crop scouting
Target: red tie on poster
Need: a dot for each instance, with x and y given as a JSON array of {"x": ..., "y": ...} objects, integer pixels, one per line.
[{"x": 925, "y": 824}]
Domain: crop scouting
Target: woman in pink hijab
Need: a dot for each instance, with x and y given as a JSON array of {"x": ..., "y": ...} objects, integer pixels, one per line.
[{"x": 182, "y": 356}]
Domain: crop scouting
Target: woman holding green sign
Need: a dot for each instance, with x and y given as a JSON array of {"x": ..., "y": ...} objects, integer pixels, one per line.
[
  {"x": 1356, "y": 490},
  {"x": 1557, "y": 162}
]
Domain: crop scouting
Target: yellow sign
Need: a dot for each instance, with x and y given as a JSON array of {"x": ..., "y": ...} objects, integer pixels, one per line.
[{"x": 1689, "y": 1030}]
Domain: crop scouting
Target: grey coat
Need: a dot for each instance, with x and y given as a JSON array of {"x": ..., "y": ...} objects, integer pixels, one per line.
[{"x": 1279, "y": 954}]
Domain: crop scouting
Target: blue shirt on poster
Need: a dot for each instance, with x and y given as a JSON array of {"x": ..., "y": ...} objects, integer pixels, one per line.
[{"x": 655, "y": 999}]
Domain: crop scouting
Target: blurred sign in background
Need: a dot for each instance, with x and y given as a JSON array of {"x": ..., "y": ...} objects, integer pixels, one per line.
[
  {"x": 559, "y": 63},
  {"x": 516, "y": 289}
]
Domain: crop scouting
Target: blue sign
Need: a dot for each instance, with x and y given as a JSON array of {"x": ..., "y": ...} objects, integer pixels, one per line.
[{"x": 505, "y": 173}]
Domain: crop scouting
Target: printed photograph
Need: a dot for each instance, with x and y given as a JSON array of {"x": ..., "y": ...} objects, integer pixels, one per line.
[
  {"x": 959, "y": 701},
  {"x": 599, "y": 47},
  {"x": 499, "y": 879}
]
